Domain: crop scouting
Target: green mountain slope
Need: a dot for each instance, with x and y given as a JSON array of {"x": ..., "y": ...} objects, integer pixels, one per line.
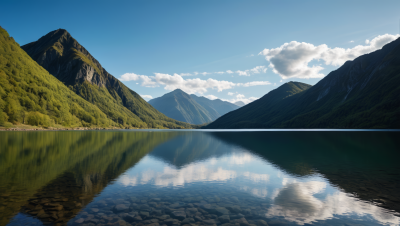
[
  {"x": 252, "y": 114},
  {"x": 363, "y": 93},
  {"x": 191, "y": 108},
  {"x": 30, "y": 95},
  {"x": 180, "y": 106},
  {"x": 60, "y": 54}
]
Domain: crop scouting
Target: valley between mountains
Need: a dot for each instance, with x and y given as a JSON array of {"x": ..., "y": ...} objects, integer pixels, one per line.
[{"x": 55, "y": 82}]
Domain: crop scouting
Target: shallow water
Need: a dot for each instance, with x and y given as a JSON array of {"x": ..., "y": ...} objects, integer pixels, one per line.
[{"x": 200, "y": 178}]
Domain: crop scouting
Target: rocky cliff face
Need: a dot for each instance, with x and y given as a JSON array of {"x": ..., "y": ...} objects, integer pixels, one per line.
[{"x": 66, "y": 59}]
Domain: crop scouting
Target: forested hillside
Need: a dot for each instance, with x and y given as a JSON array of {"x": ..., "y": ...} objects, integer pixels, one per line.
[
  {"x": 60, "y": 54},
  {"x": 30, "y": 95}
]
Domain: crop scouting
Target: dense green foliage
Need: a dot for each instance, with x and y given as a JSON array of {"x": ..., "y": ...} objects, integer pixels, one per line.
[
  {"x": 191, "y": 108},
  {"x": 60, "y": 54},
  {"x": 363, "y": 93},
  {"x": 30, "y": 95}
]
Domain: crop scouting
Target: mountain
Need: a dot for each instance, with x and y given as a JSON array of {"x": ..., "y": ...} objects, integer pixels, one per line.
[
  {"x": 62, "y": 56},
  {"x": 240, "y": 103},
  {"x": 181, "y": 106},
  {"x": 221, "y": 107},
  {"x": 252, "y": 114},
  {"x": 363, "y": 93},
  {"x": 191, "y": 108},
  {"x": 30, "y": 95}
]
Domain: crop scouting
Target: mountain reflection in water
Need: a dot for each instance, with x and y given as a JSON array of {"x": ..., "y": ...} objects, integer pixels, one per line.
[{"x": 282, "y": 178}]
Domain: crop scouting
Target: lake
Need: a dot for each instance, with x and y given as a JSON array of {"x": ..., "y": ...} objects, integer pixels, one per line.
[{"x": 175, "y": 177}]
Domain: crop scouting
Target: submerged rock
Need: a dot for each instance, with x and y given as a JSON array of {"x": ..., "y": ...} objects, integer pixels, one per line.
[
  {"x": 180, "y": 215},
  {"x": 120, "y": 208},
  {"x": 80, "y": 221},
  {"x": 224, "y": 218},
  {"x": 262, "y": 223}
]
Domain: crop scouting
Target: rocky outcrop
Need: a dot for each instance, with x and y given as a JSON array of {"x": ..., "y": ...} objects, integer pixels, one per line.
[{"x": 66, "y": 59}]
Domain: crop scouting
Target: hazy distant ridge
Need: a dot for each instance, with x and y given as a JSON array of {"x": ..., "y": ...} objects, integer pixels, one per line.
[{"x": 191, "y": 108}]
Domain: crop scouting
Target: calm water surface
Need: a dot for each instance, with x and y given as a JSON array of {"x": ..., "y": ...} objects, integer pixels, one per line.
[{"x": 177, "y": 178}]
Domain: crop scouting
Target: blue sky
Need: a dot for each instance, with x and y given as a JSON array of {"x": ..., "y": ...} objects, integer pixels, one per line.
[{"x": 142, "y": 38}]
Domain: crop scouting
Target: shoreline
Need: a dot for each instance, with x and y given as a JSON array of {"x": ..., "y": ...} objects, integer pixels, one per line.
[{"x": 35, "y": 128}]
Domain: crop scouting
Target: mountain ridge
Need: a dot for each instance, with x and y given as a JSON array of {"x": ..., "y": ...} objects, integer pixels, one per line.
[
  {"x": 191, "y": 108},
  {"x": 30, "y": 95},
  {"x": 362, "y": 93},
  {"x": 60, "y": 54}
]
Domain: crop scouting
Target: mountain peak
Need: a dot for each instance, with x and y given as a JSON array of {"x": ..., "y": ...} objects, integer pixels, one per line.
[
  {"x": 66, "y": 59},
  {"x": 62, "y": 56},
  {"x": 178, "y": 91}
]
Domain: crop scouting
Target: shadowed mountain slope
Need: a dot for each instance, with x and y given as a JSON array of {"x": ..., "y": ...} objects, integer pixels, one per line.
[
  {"x": 362, "y": 93},
  {"x": 60, "y": 54},
  {"x": 191, "y": 108},
  {"x": 252, "y": 114}
]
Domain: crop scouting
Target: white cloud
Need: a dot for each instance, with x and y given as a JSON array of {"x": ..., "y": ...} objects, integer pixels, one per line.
[
  {"x": 185, "y": 74},
  {"x": 191, "y": 86},
  {"x": 351, "y": 41},
  {"x": 229, "y": 72},
  {"x": 220, "y": 72},
  {"x": 292, "y": 59},
  {"x": 254, "y": 83},
  {"x": 241, "y": 97},
  {"x": 259, "y": 69},
  {"x": 146, "y": 96},
  {"x": 205, "y": 73},
  {"x": 146, "y": 81},
  {"x": 196, "y": 85},
  {"x": 211, "y": 97},
  {"x": 256, "y": 70},
  {"x": 230, "y": 93},
  {"x": 243, "y": 73}
]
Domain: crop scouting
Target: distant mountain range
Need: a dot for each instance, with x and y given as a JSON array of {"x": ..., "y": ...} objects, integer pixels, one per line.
[
  {"x": 191, "y": 108},
  {"x": 240, "y": 103},
  {"x": 62, "y": 56},
  {"x": 363, "y": 93}
]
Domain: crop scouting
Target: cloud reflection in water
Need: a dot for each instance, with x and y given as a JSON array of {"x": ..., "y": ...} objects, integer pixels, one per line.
[
  {"x": 296, "y": 202},
  {"x": 293, "y": 198}
]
